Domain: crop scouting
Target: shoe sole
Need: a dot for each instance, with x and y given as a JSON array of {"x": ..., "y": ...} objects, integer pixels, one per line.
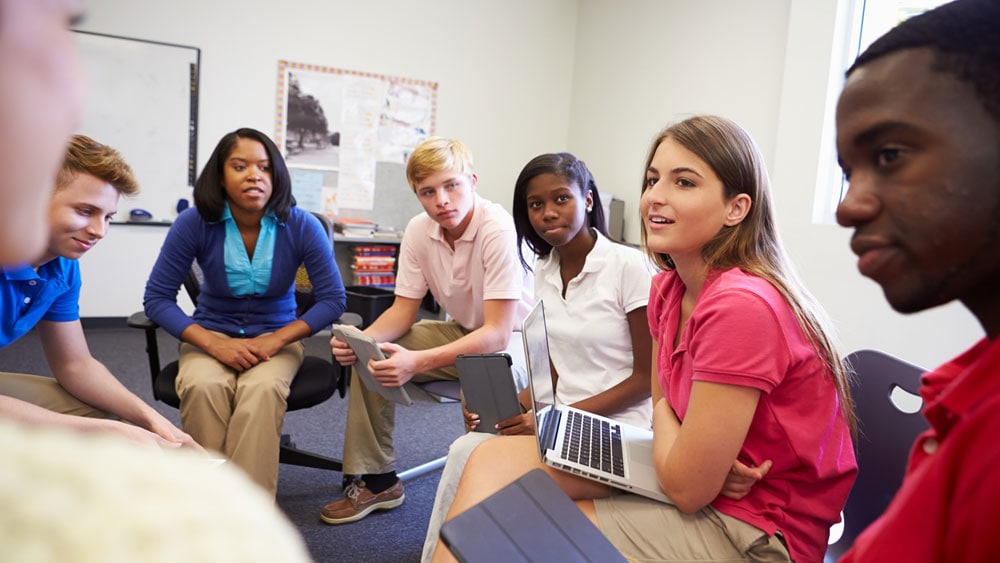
[{"x": 386, "y": 505}]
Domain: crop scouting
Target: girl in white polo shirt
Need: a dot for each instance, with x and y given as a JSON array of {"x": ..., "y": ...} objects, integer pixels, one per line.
[{"x": 595, "y": 293}]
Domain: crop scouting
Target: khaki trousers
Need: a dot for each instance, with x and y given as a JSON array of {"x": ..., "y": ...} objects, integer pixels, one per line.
[
  {"x": 371, "y": 419},
  {"x": 239, "y": 414},
  {"x": 46, "y": 392},
  {"x": 646, "y": 530}
]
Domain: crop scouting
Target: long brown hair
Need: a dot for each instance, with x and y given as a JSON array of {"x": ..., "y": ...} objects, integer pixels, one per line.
[{"x": 753, "y": 245}]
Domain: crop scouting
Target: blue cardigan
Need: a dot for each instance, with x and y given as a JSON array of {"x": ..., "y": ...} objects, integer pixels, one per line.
[{"x": 300, "y": 240}]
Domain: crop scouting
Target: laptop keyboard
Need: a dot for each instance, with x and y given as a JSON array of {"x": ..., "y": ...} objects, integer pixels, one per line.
[{"x": 595, "y": 443}]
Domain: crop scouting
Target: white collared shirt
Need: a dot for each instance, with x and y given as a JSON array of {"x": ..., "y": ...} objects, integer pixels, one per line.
[{"x": 590, "y": 343}]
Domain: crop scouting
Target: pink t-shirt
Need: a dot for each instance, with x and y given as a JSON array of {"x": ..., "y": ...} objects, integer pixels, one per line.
[
  {"x": 743, "y": 332},
  {"x": 483, "y": 265}
]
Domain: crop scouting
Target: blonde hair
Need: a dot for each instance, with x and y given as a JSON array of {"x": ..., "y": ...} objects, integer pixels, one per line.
[
  {"x": 139, "y": 503},
  {"x": 435, "y": 155},
  {"x": 86, "y": 156},
  {"x": 753, "y": 245}
]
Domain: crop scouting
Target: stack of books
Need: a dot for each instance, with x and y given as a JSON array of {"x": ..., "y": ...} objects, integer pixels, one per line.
[
  {"x": 387, "y": 233},
  {"x": 375, "y": 265},
  {"x": 354, "y": 227}
]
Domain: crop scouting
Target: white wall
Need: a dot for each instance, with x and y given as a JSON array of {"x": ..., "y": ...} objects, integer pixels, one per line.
[
  {"x": 521, "y": 77},
  {"x": 643, "y": 63},
  {"x": 827, "y": 266},
  {"x": 504, "y": 70}
]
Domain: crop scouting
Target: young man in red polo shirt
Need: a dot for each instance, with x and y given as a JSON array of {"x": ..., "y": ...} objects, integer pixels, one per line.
[{"x": 918, "y": 136}]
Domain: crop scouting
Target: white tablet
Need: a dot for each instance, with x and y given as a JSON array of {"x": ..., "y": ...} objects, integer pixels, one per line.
[{"x": 365, "y": 348}]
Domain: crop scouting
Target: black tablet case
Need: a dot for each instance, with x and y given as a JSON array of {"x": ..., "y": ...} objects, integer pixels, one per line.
[
  {"x": 530, "y": 520},
  {"x": 488, "y": 388}
]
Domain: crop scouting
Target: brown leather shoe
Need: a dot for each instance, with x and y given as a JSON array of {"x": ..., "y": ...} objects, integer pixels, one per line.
[{"x": 358, "y": 502}]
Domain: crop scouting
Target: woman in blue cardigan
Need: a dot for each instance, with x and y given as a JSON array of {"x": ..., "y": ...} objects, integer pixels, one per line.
[{"x": 242, "y": 347}]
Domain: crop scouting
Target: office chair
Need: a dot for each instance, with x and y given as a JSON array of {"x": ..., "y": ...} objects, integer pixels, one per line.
[
  {"x": 888, "y": 410},
  {"x": 317, "y": 380}
]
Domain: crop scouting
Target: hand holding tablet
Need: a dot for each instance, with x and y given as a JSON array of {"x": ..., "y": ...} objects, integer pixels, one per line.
[
  {"x": 366, "y": 349},
  {"x": 488, "y": 388}
]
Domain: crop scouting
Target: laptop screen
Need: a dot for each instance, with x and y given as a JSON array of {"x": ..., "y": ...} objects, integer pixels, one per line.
[{"x": 536, "y": 353}]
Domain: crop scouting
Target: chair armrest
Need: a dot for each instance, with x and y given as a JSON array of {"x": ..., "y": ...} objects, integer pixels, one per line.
[
  {"x": 140, "y": 320},
  {"x": 349, "y": 318}
]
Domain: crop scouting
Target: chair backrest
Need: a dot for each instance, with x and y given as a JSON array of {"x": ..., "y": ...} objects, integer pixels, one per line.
[
  {"x": 304, "y": 297},
  {"x": 192, "y": 282},
  {"x": 327, "y": 225},
  {"x": 887, "y": 404}
]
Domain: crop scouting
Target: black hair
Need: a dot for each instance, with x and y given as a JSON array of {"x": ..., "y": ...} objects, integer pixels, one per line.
[
  {"x": 564, "y": 165},
  {"x": 209, "y": 193},
  {"x": 965, "y": 36}
]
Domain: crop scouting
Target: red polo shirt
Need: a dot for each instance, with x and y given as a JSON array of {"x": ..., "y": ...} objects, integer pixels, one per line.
[{"x": 948, "y": 508}]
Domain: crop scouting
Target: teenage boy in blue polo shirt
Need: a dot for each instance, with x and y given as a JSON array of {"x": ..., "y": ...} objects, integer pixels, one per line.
[{"x": 84, "y": 395}]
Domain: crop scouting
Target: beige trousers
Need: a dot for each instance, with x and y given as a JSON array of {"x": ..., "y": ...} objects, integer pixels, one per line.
[
  {"x": 371, "y": 419},
  {"x": 46, "y": 392},
  {"x": 646, "y": 530},
  {"x": 239, "y": 414}
]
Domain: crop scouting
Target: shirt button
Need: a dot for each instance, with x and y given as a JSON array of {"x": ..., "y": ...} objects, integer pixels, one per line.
[
  {"x": 27, "y": 300},
  {"x": 242, "y": 331},
  {"x": 930, "y": 446},
  {"x": 32, "y": 282}
]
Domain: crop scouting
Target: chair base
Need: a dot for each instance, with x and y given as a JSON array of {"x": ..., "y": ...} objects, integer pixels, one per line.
[
  {"x": 443, "y": 391},
  {"x": 290, "y": 455},
  {"x": 423, "y": 469}
]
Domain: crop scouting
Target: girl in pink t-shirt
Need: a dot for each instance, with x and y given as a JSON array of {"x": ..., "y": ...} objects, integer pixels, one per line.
[{"x": 752, "y": 417}]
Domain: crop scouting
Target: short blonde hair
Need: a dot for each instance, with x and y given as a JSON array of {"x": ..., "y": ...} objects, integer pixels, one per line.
[
  {"x": 434, "y": 155},
  {"x": 86, "y": 156}
]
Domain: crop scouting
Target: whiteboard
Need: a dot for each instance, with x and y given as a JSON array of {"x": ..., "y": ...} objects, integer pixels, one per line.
[{"x": 142, "y": 99}]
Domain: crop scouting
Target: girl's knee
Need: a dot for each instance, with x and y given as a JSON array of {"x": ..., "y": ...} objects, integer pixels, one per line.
[{"x": 516, "y": 454}]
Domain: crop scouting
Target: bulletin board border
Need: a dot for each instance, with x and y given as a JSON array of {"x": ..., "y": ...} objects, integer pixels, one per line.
[{"x": 285, "y": 66}]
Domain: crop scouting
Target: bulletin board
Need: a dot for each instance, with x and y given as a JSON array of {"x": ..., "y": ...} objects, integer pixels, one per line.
[
  {"x": 346, "y": 136},
  {"x": 142, "y": 100}
]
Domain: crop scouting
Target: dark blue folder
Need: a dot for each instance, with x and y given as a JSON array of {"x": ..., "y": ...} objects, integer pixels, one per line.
[{"x": 530, "y": 520}]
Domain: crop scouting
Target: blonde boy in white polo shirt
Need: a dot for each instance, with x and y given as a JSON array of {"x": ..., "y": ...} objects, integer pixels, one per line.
[{"x": 464, "y": 251}]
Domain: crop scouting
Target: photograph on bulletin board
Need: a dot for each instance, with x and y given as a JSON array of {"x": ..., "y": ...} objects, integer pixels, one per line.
[{"x": 338, "y": 123}]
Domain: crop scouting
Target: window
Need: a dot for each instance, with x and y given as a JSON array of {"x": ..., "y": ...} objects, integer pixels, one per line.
[{"x": 864, "y": 21}]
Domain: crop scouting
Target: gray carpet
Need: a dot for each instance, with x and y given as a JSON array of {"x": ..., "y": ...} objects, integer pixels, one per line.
[{"x": 423, "y": 433}]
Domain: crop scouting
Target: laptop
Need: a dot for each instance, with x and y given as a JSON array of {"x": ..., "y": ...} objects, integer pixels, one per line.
[
  {"x": 582, "y": 443},
  {"x": 530, "y": 520}
]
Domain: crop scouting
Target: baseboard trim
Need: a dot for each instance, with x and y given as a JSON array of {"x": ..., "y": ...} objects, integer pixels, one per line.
[{"x": 103, "y": 322}]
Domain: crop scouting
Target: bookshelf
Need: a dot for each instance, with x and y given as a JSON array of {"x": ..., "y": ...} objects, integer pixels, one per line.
[
  {"x": 346, "y": 254},
  {"x": 374, "y": 265}
]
